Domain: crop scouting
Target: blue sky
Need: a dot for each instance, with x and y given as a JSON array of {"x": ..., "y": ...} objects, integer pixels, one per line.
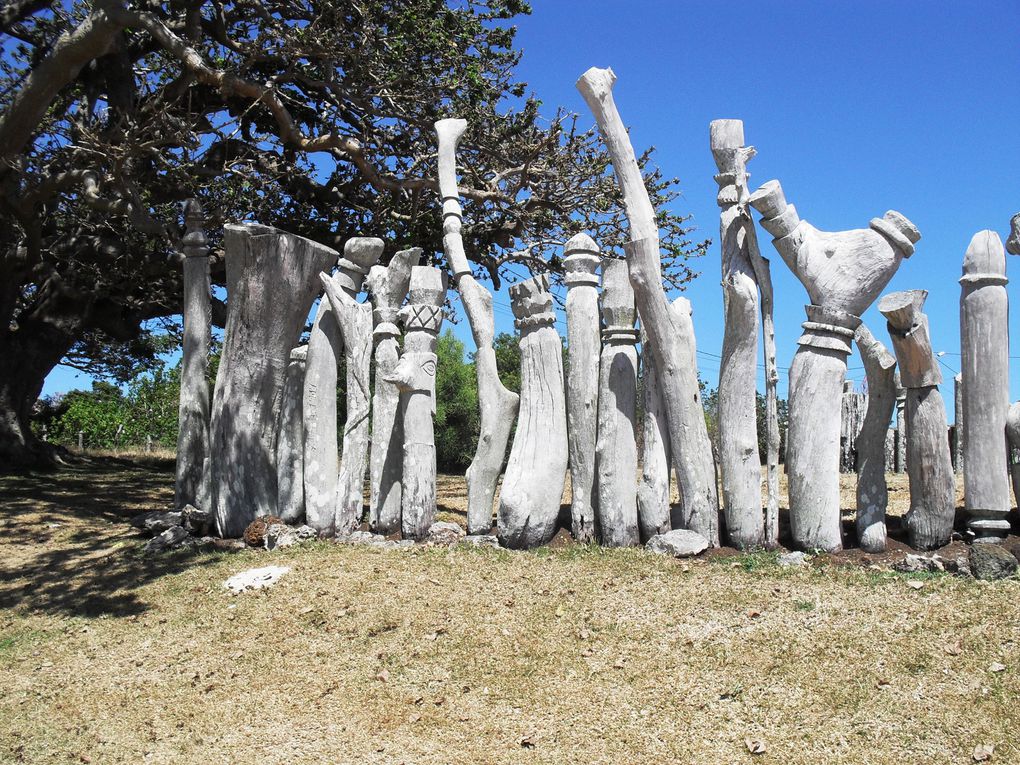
[{"x": 856, "y": 107}]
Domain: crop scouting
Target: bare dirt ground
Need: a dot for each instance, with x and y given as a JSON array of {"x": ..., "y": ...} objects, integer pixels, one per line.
[{"x": 570, "y": 654}]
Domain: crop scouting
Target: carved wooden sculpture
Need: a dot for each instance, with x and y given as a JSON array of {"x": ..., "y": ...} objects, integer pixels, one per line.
[
  {"x": 872, "y": 492},
  {"x": 290, "y": 452},
  {"x": 616, "y": 453},
  {"x": 415, "y": 376},
  {"x": 929, "y": 521},
  {"x": 738, "y": 370},
  {"x": 388, "y": 286},
  {"x": 851, "y": 417},
  {"x": 193, "y": 433},
  {"x": 1013, "y": 437},
  {"x": 984, "y": 348},
  {"x": 1013, "y": 241},
  {"x": 271, "y": 283},
  {"x": 529, "y": 502},
  {"x": 355, "y": 321},
  {"x": 327, "y": 492},
  {"x": 497, "y": 405},
  {"x": 580, "y": 263},
  {"x": 901, "y": 426},
  {"x": 958, "y": 423},
  {"x": 691, "y": 448},
  {"x": 656, "y": 458},
  {"x": 843, "y": 272}
]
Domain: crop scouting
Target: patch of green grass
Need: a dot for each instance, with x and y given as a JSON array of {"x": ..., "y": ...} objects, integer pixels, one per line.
[
  {"x": 804, "y": 605},
  {"x": 10, "y": 642}
]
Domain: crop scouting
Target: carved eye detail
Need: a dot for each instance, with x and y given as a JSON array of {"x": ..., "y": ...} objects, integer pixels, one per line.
[{"x": 429, "y": 367}]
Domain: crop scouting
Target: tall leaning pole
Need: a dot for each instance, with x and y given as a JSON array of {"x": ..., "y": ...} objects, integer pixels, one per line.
[
  {"x": 497, "y": 404},
  {"x": 193, "y": 435},
  {"x": 678, "y": 380},
  {"x": 984, "y": 350}
]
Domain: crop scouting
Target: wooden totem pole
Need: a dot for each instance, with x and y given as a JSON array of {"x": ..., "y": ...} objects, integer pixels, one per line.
[
  {"x": 843, "y": 272},
  {"x": 616, "y": 453},
  {"x": 193, "y": 413},
  {"x": 929, "y": 521},
  {"x": 872, "y": 492},
  {"x": 984, "y": 348},
  {"x": 290, "y": 453},
  {"x": 415, "y": 376},
  {"x": 580, "y": 264},
  {"x": 677, "y": 371},
  {"x": 388, "y": 286},
  {"x": 498, "y": 405},
  {"x": 271, "y": 283},
  {"x": 529, "y": 502}
]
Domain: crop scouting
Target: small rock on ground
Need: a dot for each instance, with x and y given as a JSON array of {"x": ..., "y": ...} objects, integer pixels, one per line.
[
  {"x": 680, "y": 543},
  {"x": 913, "y": 564},
  {"x": 797, "y": 558},
  {"x": 989, "y": 561},
  {"x": 444, "y": 533},
  {"x": 156, "y": 522},
  {"x": 255, "y": 579},
  {"x": 363, "y": 538},
  {"x": 282, "y": 535},
  {"x": 195, "y": 520},
  {"x": 170, "y": 539}
]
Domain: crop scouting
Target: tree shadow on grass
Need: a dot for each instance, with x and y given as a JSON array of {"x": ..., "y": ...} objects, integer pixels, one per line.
[{"x": 65, "y": 544}]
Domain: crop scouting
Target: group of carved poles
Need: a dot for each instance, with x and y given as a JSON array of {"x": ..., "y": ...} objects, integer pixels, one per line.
[{"x": 268, "y": 442}]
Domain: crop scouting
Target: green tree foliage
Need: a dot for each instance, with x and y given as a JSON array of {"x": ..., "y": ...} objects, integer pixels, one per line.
[
  {"x": 457, "y": 414},
  {"x": 710, "y": 400}
]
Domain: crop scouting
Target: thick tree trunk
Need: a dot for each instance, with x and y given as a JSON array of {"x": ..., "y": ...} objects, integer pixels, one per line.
[
  {"x": 271, "y": 283},
  {"x": 929, "y": 521},
  {"x": 529, "y": 502},
  {"x": 580, "y": 264},
  {"x": 872, "y": 493},
  {"x": 415, "y": 375},
  {"x": 739, "y": 462},
  {"x": 388, "y": 287},
  {"x": 497, "y": 405},
  {"x": 193, "y": 413},
  {"x": 691, "y": 447},
  {"x": 328, "y": 488},
  {"x": 616, "y": 452},
  {"x": 984, "y": 348},
  {"x": 843, "y": 272},
  {"x": 290, "y": 491}
]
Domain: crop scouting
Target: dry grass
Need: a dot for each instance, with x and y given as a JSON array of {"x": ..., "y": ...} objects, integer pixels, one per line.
[{"x": 573, "y": 655}]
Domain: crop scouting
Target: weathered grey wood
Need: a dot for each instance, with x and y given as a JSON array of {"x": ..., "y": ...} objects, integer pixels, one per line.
[
  {"x": 415, "y": 375},
  {"x": 193, "y": 412},
  {"x": 326, "y": 344},
  {"x": 271, "y": 283},
  {"x": 958, "y": 423},
  {"x": 929, "y": 521},
  {"x": 890, "y": 447},
  {"x": 529, "y": 501},
  {"x": 984, "y": 351},
  {"x": 843, "y": 272},
  {"x": 290, "y": 453},
  {"x": 739, "y": 463},
  {"x": 872, "y": 441},
  {"x": 388, "y": 287},
  {"x": 616, "y": 452},
  {"x": 901, "y": 426},
  {"x": 653, "y": 483},
  {"x": 497, "y": 405},
  {"x": 691, "y": 447},
  {"x": 1013, "y": 438},
  {"x": 1013, "y": 241},
  {"x": 580, "y": 264},
  {"x": 851, "y": 418}
]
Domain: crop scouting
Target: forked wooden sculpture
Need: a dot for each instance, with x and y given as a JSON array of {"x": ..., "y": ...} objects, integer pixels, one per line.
[
  {"x": 984, "y": 351},
  {"x": 388, "y": 287},
  {"x": 271, "y": 283},
  {"x": 843, "y": 272},
  {"x": 872, "y": 492},
  {"x": 1013, "y": 241},
  {"x": 333, "y": 489},
  {"x": 193, "y": 412},
  {"x": 290, "y": 453},
  {"x": 415, "y": 376},
  {"x": 929, "y": 521},
  {"x": 529, "y": 502},
  {"x": 580, "y": 263},
  {"x": 677, "y": 371},
  {"x": 616, "y": 453}
]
